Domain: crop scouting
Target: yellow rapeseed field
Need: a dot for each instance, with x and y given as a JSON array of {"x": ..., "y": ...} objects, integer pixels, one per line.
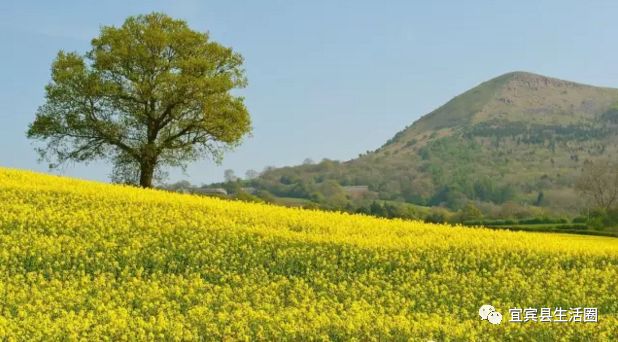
[{"x": 89, "y": 261}]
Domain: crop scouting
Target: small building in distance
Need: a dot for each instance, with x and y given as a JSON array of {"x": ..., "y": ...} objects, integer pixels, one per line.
[{"x": 211, "y": 191}]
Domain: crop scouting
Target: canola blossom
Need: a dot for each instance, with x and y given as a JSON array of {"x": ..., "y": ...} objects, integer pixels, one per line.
[{"x": 89, "y": 261}]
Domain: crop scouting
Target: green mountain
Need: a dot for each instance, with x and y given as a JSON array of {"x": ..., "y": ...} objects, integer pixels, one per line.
[{"x": 518, "y": 138}]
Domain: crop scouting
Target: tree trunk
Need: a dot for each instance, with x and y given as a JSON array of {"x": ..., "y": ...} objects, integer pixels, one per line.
[
  {"x": 148, "y": 163},
  {"x": 146, "y": 174}
]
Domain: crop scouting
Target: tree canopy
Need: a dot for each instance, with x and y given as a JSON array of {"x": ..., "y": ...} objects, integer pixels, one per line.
[{"x": 149, "y": 94}]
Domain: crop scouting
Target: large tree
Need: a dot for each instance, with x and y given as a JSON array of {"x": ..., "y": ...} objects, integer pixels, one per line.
[
  {"x": 149, "y": 94},
  {"x": 598, "y": 182}
]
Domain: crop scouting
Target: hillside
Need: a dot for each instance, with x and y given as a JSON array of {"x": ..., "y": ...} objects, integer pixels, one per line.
[
  {"x": 519, "y": 138},
  {"x": 91, "y": 261}
]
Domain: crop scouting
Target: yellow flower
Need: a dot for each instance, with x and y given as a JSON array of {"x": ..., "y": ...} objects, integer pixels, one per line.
[{"x": 89, "y": 261}]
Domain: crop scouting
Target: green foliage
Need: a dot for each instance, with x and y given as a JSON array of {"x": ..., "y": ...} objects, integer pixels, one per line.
[
  {"x": 265, "y": 196},
  {"x": 233, "y": 187},
  {"x": 438, "y": 215},
  {"x": 246, "y": 197},
  {"x": 540, "y": 199},
  {"x": 601, "y": 219},
  {"x": 611, "y": 115},
  {"x": 471, "y": 212},
  {"x": 538, "y": 133},
  {"x": 149, "y": 94},
  {"x": 390, "y": 210}
]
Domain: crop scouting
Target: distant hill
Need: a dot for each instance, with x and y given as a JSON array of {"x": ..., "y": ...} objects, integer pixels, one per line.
[{"x": 519, "y": 138}]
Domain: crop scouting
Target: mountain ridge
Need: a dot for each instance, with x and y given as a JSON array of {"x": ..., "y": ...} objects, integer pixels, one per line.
[
  {"x": 517, "y": 138},
  {"x": 507, "y": 89}
]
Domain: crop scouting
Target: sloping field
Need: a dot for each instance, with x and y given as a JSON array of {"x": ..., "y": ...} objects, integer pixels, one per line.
[{"x": 88, "y": 260}]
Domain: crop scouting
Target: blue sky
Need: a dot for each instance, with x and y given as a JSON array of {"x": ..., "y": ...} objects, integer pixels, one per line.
[{"x": 327, "y": 79}]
